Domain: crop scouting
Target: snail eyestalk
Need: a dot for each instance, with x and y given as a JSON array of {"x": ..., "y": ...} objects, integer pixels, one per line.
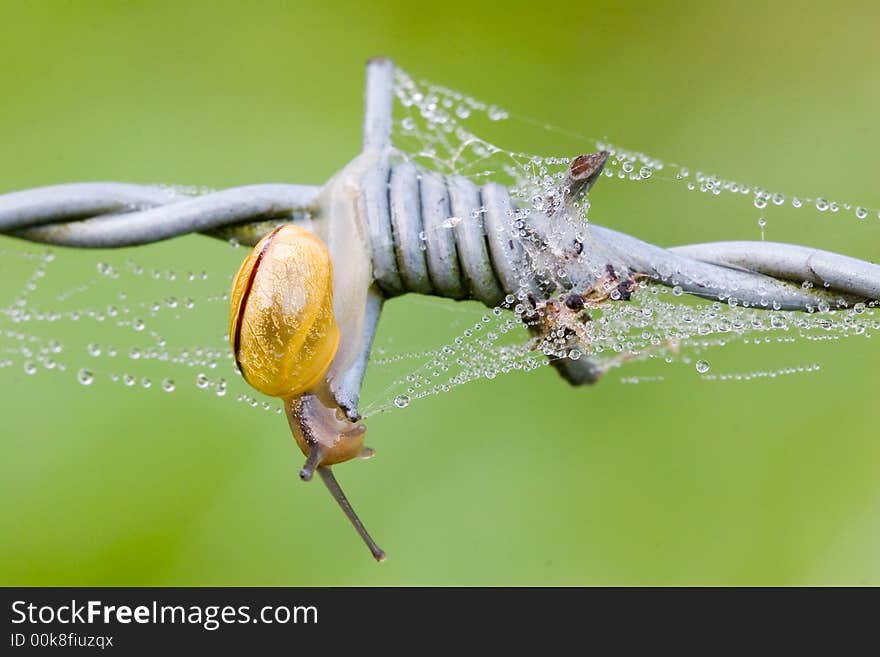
[
  {"x": 312, "y": 461},
  {"x": 336, "y": 491}
]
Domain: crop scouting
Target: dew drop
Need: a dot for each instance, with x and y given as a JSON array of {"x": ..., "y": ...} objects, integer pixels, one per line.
[
  {"x": 497, "y": 114},
  {"x": 702, "y": 366},
  {"x": 401, "y": 401},
  {"x": 85, "y": 377},
  {"x": 168, "y": 385}
]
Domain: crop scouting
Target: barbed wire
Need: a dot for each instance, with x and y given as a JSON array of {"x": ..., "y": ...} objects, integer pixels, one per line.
[
  {"x": 404, "y": 211},
  {"x": 109, "y": 214}
]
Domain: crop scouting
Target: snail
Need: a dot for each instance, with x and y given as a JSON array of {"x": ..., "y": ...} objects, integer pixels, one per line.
[{"x": 284, "y": 337}]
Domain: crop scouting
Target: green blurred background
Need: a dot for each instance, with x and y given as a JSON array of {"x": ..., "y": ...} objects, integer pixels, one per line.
[{"x": 521, "y": 480}]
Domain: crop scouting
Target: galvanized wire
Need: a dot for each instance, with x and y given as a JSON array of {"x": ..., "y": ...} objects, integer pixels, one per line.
[
  {"x": 416, "y": 247},
  {"x": 107, "y": 214},
  {"x": 474, "y": 259}
]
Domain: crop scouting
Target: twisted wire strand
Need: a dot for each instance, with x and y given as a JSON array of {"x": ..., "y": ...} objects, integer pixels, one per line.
[
  {"x": 107, "y": 214},
  {"x": 472, "y": 260},
  {"x": 792, "y": 262},
  {"x": 447, "y": 236}
]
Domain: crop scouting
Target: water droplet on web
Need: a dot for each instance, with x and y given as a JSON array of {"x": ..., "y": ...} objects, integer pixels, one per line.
[
  {"x": 168, "y": 385},
  {"x": 821, "y": 204},
  {"x": 496, "y": 113},
  {"x": 401, "y": 401},
  {"x": 30, "y": 368},
  {"x": 85, "y": 377},
  {"x": 702, "y": 366}
]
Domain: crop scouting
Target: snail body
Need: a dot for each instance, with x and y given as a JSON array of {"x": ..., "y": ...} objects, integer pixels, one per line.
[{"x": 285, "y": 338}]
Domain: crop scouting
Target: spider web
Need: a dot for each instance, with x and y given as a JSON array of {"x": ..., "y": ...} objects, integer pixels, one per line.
[
  {"x": 160, "y": 328},
  {"x": 446, "y": 131}
]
